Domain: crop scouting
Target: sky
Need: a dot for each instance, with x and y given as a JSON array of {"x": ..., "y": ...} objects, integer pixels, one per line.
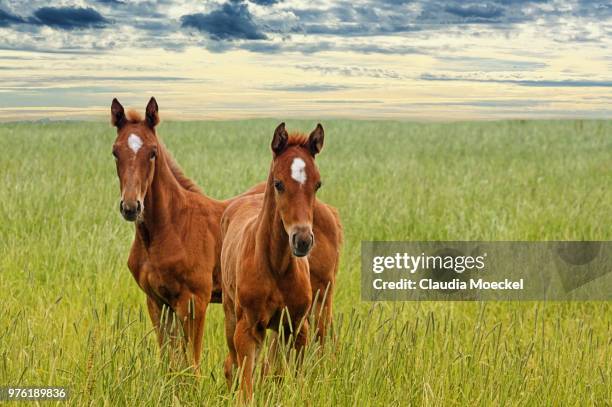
[{"x": 441, "y": 60}]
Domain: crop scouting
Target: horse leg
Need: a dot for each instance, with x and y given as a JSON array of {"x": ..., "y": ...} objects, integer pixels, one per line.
[
  {"x": 326, "y": 322},
  {"x": 192, "y": 313},
  {"x": 198, "y": 332},
  {"x": 171, "y": 324},
  {"x": 301, "y": 339},
  {"x": 324, "y": 294},
  {"x": 230, "y": 330},
  {"x": 297, "y": 341},
  {"x": 270, "y": 365},
  {"x": 247, "y": 342},
  {"x": 155, "y": 315},
  {"x": 163, "y": 321}
]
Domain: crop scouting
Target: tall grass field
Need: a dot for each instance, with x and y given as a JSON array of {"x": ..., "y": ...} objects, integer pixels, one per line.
[{"x": 71, "y": 314}]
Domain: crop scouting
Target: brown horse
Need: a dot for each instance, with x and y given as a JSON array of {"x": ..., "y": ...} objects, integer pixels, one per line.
[
  {"x": 323, "y": 260},
  {"x": 263, "y": 260},
  {"x": 176, "y": 250}
]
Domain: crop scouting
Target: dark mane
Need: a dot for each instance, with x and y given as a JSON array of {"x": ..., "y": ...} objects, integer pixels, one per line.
[{"x": 182, "y": 179}]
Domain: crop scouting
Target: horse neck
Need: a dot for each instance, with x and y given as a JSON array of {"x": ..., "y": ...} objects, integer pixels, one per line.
[
  {"x": 272, "y": 242},
  {"x": 164, "y": 197}
]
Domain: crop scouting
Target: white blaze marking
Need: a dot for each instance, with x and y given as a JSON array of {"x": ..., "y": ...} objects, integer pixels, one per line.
[
  {"x": 134, "y": 142},
  {"x": 298, "y": 170}
]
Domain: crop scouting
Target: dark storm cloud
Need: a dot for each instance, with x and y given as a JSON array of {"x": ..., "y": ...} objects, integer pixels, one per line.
[
  {"x": 520, "y": 2},
  {"x": 231, "y": 21},
  {"x": 264, "y": 47},
  {"x": 69, "y": 18},
  {"x": 348, "y": 20},
  {"x": 496, "y": 13},
  {"x": 265, "y": 2},
  {"x": 484, "y": 11},
  {"x": 341, "y": 25},
  {"x": 7, "y": 18}
]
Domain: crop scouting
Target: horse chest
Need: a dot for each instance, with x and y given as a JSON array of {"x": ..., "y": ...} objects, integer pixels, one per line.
[
  {"x": 294, "y": 293},
  {"x": 297, "y": 302},
  {"x": 162, "y": 281}
]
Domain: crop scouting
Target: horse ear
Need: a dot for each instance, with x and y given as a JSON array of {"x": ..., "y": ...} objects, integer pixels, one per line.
[
  {"x": 315, "y": 140},
  {"x": 279, "y": 141},
  {"x": 117, "y": 114},
  {"x": 152, "y": 113}
]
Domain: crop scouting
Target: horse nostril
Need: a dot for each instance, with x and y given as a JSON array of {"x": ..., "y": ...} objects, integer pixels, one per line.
[
  {"x": 293, "y": 240},
  {"x": 121, "y": 205},
  {"x": 138, "y": 206},
  {"x": 303, "y": 245}
]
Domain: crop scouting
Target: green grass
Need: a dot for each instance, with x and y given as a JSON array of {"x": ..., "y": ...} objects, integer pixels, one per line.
[{"x": 71, "y": 314}]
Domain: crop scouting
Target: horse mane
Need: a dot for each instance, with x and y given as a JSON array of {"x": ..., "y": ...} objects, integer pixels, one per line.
[
  {"x": 297, "y": 139},
  {"x": 176, "y": 170},
  {"x": 133, "y": 116}
]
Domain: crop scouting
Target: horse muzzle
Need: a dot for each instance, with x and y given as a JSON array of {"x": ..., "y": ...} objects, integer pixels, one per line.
[
  {"x": 302, "y": 241},
  {"x": 130, "y": 210}
]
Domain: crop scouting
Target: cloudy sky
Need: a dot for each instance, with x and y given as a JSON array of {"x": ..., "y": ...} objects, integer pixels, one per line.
[{"x": 404, "y": 59}]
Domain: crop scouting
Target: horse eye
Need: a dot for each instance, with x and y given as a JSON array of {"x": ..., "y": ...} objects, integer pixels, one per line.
[
  {"x": 153, "y": 155},
  {"x": 115, "y": 154},
  {"x": 318, "y": 185},
  {"x": 279, "y": 186}
]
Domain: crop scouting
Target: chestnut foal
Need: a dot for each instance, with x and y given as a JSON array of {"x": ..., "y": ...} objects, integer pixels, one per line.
[
  {"x": 175, "y": 253},
  {"x": 263, "y": 264},
  {"x": 323, "y": 260}
]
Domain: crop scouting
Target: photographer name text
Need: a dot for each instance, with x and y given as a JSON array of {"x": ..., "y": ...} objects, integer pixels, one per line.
[
  {"x": 440, "y": 264},
  {"x": 454, "y": 284}
]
